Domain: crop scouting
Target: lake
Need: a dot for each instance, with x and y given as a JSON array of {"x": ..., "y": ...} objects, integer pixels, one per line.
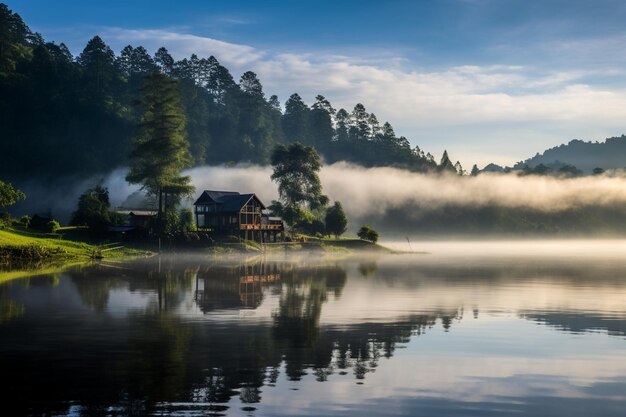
[{"x": 469, "y": 329}]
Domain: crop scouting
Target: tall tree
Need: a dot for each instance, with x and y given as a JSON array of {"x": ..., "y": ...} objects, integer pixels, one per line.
[
  {"x": 164, "y": 61},
  {"x": 251, "y": 85},
  {"x": 274, "y": 103},
  {"x": 98, "y": 64},
  {"x": 296, "y": 168},
  {"x": 343, "y": 124},
  {"x": 321, "y": 124},
  {"x": 373, "y": 125},
  {"x": 360, "y": 118},
  {"x": 160, "y": 149},
  {"x": 134, "y": 62},
  {"x": 14, "y": 40},
  {"x": 446, "y": 165},
  {"x": 295, "y": 120},
  {"x": 458, "y": 168}
]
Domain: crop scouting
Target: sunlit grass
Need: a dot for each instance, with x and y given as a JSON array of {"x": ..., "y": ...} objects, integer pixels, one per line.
[{"x": 57, "y": 248}]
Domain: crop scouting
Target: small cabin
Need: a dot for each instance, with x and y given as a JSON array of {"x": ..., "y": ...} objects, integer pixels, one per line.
[
  {"x": 241, "y": 215},
  {"x": 139, "y": 219}
]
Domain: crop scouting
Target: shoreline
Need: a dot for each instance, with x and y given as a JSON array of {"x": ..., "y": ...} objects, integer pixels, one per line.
[{"x": 24, "y": 252}]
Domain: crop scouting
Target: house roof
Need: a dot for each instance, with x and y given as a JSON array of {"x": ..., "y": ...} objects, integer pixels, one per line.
[
  {"x": 210, "y": 196},
  {"x": 227, "y": 201}
]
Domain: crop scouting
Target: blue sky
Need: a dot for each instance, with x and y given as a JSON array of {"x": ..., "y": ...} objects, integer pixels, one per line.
[{"x": 488, "y": 80}]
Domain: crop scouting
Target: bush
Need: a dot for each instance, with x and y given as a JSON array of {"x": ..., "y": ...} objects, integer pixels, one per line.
[
  {"x": 311, "y": 227},
  {"x": 5, "y": 219},
  {"x": 336, "y": 220},
  {"x": 185, "y": 220},
  {"x": 93, "y": 210},
  {"x": 52, "y": 226},
  {"x": 25, "y": 221},
  {"x": 367, "y": 233}
]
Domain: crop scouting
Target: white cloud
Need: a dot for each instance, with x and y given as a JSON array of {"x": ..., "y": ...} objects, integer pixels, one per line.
[
  {"x": 423, "y": 103},
  {"x": 182, "y": 45}
]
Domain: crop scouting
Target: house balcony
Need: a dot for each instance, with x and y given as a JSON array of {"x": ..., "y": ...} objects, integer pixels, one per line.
[{"x": 260, "y": 227}]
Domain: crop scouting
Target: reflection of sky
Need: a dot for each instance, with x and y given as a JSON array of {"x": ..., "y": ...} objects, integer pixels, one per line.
[
  {"x": 508, "y": 350},
  {"x": 496, "y": 361}
]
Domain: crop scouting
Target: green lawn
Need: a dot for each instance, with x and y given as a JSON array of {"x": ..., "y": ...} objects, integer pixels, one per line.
[
  {"x": 50, "y": 253},
  {"x": 68, "y": 243}
]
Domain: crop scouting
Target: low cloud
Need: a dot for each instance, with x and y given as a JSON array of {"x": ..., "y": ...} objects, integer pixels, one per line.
[
  {"x": 369, "y": 195},
  {"x": 373, "y": 191},
  {"x": 378, "y": 195}
]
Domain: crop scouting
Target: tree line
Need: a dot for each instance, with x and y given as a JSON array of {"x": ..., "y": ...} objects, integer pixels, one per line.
[{"x": 75, "y": 115}]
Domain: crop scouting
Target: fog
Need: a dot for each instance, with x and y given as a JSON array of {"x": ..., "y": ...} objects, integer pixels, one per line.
[
  {"x": 368, "y": 195},
  {"x": 372, "y": 191}
]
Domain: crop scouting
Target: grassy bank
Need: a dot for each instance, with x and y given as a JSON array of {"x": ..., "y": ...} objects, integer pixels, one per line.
[
  {"x": 20, "y": 247},
  {"x": 308, "y": 243}
]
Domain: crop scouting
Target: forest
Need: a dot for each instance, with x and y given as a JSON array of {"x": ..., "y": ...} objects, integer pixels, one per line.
[
  {"x": 76, "y": 115},
  {"x": 66, "y": 117}
]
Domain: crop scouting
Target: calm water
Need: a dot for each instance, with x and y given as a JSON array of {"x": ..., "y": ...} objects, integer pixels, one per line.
[{"x": 469, "y": 330}]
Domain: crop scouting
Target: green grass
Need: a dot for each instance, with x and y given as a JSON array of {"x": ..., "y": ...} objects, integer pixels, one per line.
[
  {"x": 16, "y": 237},
  {"x": 73, "y": 244}
]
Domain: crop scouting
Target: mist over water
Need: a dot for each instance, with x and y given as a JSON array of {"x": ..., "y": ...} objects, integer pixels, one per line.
[
  {"x": 367, "y": 194},
  {"x": 378, "y": 196},
  {"x": 461, "y": 331}
]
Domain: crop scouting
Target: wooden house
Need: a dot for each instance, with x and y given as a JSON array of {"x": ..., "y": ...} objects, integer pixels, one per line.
[
  {"x": 241, "y": 215},
  {"x": 139, "y": 219}
]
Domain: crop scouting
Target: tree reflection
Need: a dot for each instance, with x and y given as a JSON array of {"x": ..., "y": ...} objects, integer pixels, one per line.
[{"x": 153, "y": 361}]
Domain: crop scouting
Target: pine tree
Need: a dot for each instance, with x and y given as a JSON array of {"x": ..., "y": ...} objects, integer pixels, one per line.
[
  {"x": 458, "y": 168},
  {"x": 295, "y": 120},
  {"x": 98, "y": 64},
  {"x": 14, "y": 40},
  {"x": 446, "y": 165},
  {"x": 160, "y": 150},
  {"x": 164, "y": 61}
]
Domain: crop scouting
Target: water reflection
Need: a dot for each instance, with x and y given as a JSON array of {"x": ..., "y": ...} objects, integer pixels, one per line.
[{"x": 188, "y": 336}]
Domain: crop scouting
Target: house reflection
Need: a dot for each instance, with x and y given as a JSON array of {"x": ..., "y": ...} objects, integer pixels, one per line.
[{"x": 238, "y": 287}]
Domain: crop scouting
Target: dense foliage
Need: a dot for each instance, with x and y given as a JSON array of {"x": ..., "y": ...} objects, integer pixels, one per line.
[
  {"x": 93, "y": 210},
  {"x": 9, "y": 195},
  {"x": 160, "y": 149},
  {"x": 336, "y": 220},
  {"x": 584, "y": 156},
  {"x": 367, "y": 233},
  {"x": 296, "y": 168},
  {"x": 75, "y": 115}
]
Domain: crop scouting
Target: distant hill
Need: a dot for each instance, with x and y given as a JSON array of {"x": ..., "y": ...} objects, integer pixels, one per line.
[
  {"x": 493, "y": 168},
  {"x": 585, "y": 156}
]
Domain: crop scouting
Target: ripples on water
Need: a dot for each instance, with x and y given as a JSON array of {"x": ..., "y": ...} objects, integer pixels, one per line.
[{"x": 469, "y": 329}]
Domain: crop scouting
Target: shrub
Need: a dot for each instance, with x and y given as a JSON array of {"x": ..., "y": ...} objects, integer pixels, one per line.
[
  {"x": 185, "y": 220},
  {"x": 52, "y": 226},
  {"x": 367, "y": 233},
  {"x": 93, "y": 210},
  {"x": 25, "y": 221},
  {"x": 5, "y": 219},
  {"x": 336, "y": 220}
]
